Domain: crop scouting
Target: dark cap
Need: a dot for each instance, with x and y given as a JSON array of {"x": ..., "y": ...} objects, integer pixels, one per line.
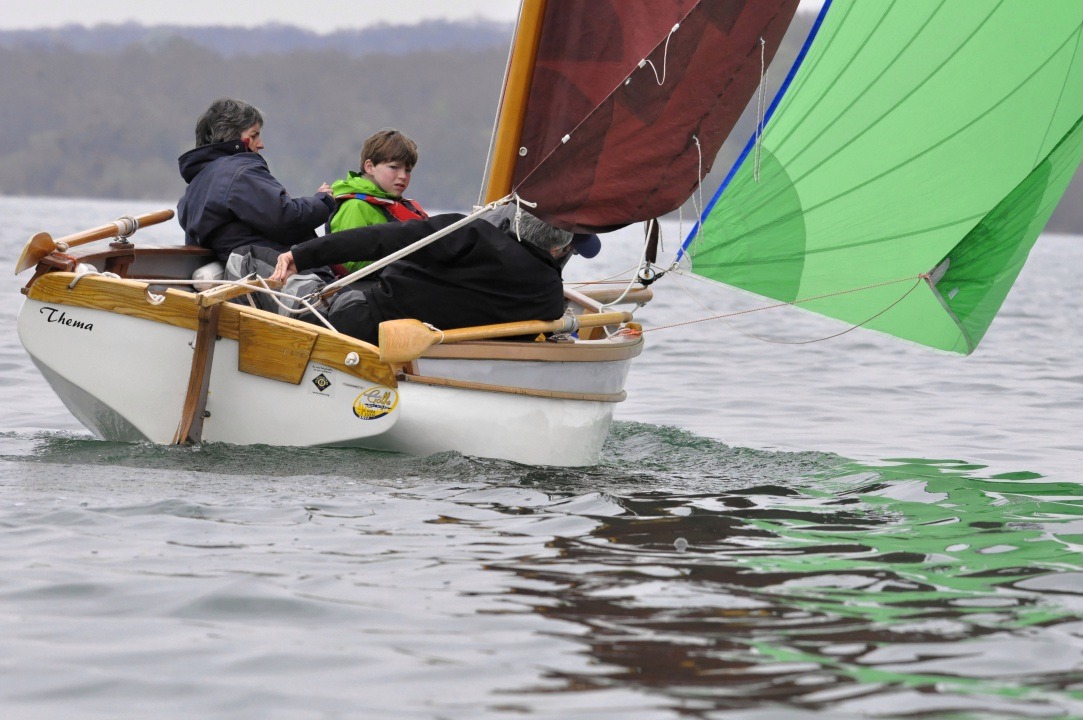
[{"x": 586, "y": 245}]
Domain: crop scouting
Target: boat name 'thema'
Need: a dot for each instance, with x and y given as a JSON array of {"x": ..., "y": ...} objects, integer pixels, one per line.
[{"x": 53, "y": 315}]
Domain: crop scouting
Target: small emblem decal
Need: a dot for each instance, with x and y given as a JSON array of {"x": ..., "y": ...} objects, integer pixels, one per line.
[
  {"x": 321, "y": 381},
  {"x": 375, "y": 402}
]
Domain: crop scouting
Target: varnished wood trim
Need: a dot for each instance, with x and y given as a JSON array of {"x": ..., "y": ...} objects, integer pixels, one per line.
[
  {"x": 190, "y": 429},
  {"x": 540, "y": 351},
  {"x": 93, "y": 253},
  {"x": 512, "y": 390},
  {"x": 124, "y": 297},
  {"x": 181, "y": 309},
  {"x": 272, "y": 349}
]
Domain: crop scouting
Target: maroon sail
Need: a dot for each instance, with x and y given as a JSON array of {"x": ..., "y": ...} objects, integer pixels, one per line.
[{"x": 609, "y": 139}]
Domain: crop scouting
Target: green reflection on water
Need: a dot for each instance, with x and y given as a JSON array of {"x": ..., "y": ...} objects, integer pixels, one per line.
[
  {"x": 947, "y": 538},
  {"x": 934, "y": 564}
]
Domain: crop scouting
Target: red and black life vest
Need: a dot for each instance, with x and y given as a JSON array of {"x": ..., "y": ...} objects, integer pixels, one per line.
[{"x": 401, "y": 209}]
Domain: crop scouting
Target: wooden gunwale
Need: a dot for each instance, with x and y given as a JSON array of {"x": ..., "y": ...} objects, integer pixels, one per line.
[
  {"x": 181, "y": 309},
  {"x": 513, "y": 390},
  {"x": 617, "y": 349}
]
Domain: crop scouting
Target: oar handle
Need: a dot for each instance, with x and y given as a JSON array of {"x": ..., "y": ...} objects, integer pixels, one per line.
[
  {"x": 121, "y": 227},
  {"x": 531, "y": 327},
  {"x": 407, "y": 339}
]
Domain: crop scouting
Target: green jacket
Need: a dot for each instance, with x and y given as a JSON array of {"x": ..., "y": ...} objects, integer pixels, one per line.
[{"x": 356, "y": 213}]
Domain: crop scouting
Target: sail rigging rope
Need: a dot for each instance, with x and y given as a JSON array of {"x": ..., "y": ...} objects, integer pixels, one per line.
[
  {"x": 697, "y": 207},
  {"x": 383, "y": 262},
  {"x": 665, "y": 57},
  {"x": 761, "y": 109},
  {"x": 645, "y": 269},
  {"x": 923, "y": 277},
  {"x": 306, "y": 305}
]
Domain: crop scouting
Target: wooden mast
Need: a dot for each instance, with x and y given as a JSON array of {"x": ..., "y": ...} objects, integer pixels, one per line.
[{"x": 509, "y": 126}]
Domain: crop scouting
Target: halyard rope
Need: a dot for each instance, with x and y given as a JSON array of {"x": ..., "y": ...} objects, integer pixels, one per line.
[{"x": 917, "y": 282}]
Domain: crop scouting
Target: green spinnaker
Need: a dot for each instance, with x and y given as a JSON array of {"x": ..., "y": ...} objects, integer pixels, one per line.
[{"x": 907, "y": 171}]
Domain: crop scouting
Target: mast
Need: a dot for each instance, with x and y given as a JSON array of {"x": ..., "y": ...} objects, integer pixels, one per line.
[{"x": 509, "y": 126}]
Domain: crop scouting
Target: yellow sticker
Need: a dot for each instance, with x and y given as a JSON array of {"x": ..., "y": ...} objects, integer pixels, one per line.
[{"x": 375, "y": 402}]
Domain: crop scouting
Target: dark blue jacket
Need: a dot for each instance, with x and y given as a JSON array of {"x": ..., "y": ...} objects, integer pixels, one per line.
[{"x": 232, "y": 200}]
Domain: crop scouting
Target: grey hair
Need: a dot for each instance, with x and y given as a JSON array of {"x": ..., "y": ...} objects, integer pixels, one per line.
[
  {"x": 225, "y": 120},
  {"x": 539, "y": 233}
]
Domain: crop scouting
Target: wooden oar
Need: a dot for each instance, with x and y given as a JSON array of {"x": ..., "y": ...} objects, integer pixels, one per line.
[
  {"x": 42, "y": 243},
  {"x": 406, "y": 340}
]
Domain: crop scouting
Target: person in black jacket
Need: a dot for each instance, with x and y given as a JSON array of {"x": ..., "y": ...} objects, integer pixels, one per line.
[
  {"x": 480, "y": 274},
  {"x": 232, "y": 199}
]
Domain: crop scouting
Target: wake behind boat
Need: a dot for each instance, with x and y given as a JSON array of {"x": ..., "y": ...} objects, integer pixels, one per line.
[{"x": 895, "y": 185}]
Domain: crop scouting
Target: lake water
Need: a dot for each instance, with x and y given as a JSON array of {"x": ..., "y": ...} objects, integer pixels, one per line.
[{"x": 841, "y": 529}]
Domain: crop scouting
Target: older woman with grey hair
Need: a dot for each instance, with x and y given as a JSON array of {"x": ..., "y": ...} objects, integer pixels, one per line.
[{"x": 232, "y": 199}]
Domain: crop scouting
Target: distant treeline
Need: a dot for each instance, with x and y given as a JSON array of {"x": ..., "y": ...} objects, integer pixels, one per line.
[
  {"x": 105, "y": 112},
  {"x": 89, "y": 124},
  {"x": 271, "y": 39}
]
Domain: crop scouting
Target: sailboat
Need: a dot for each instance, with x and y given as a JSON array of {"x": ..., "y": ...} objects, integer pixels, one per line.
[{"x": 897, "y": 182}]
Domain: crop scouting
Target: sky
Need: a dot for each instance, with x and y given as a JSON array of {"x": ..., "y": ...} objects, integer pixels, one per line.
[{"x": 315, "y": 15}]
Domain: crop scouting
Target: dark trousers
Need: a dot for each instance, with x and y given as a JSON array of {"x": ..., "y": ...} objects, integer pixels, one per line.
[
  {"x": 348, "y": 309},
  {"x": 351, "y": 313}
]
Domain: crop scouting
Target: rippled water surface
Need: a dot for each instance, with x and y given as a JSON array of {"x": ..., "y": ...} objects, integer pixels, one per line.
[{"x": 853, "y": 528}]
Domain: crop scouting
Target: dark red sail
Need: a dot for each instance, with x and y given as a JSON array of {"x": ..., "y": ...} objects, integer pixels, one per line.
[{"x": 606, "y": 144}]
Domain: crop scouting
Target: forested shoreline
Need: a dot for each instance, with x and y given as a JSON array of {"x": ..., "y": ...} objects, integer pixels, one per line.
[
  {"x": 111, "y": 125},
  {"x": 85, "y": 118}
]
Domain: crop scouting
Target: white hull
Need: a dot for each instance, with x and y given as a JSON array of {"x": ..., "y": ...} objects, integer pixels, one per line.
[{"x": 126, "y": 378}]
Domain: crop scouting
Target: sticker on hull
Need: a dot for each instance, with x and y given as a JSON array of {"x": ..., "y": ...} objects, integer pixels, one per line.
[
  {"x": 321, "y": 381},
  {"x": 375, "y": 402}
]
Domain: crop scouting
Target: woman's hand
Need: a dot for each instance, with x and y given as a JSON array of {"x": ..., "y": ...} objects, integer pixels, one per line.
[{"x": 284, "y": 268}]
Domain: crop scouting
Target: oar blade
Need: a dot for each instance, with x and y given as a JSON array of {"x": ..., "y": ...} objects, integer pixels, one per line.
[
  {"x": 35, "y": 249},
  {"x": 405, "y": 340},
  {"x": 42, "y": 244}
]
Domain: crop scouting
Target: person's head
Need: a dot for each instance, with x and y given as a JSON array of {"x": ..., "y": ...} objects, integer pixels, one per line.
[
  {"x": 388, "y": 159},
  {"x": 540, "y": 234},
  {"x": 228, "y": 119}
]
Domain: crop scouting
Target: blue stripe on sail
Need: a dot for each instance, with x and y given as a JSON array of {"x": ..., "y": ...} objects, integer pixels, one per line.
[{"x": 767, "y": 117}]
